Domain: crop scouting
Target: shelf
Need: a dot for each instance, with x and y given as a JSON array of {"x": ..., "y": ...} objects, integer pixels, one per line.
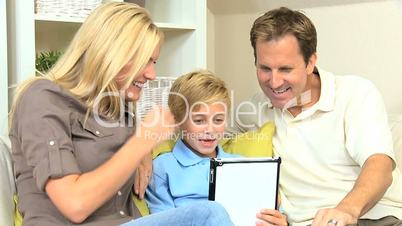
[
  {"x": 174, "y": 26},
  {"x": 54, "y": 18},
  {"x": 64, "y": 19},
  {"x": 183, "y": 23}
]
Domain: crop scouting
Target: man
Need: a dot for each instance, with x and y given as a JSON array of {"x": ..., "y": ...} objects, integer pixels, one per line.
[{"x": 332, "y": 132}]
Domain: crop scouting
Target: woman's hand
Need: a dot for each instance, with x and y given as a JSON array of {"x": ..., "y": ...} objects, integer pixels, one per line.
[
  {"x": 157, "y": 126},
  {"x": 270, "y": 217},
  {"x": 142, "y": 176}
]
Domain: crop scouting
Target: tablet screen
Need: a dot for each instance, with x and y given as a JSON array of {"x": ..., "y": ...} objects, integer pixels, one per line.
[{"x": 244, "y": 186}]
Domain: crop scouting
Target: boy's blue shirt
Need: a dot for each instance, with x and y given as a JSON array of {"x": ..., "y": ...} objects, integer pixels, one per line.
[{"x": 179, "y": 177}]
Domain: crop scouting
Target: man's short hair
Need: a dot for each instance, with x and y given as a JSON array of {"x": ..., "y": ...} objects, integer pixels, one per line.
[{"x": 282, "y": 21}]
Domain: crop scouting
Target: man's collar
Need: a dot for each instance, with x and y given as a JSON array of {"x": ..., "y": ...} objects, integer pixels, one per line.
[{"x": 326, "y": 102}]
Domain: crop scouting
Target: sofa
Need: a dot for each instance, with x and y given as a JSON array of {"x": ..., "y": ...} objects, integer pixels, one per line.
[{"x": 7, "y": 188}]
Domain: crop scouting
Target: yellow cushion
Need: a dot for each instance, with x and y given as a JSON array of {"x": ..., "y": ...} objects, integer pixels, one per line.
[
  {"x": 256, "y": 143},
  {"x": 17, "y": 215},
  {"x": 141, "y": 205},
  {"x": 163, "y": 147}
]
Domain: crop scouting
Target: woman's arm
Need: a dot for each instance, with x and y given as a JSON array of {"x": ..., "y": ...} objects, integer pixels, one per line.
[{"x": 78, "y": 196}]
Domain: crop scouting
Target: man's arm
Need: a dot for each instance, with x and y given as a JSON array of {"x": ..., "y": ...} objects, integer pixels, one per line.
[{"x": 372, "y": 183}]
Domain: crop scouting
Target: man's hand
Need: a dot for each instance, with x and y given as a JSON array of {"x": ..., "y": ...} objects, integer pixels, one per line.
[
  {"x": 369, "y": 188},
  {"x": 333, "y": 217},
  {"x": 142, "y": 176}
]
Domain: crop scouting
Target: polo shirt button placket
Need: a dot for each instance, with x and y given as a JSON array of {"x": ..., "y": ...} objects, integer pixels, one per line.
[{"x": 119, "y": 193}]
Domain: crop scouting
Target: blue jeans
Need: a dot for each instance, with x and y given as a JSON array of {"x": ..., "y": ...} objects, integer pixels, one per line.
[{"x": 205, "y": 213}]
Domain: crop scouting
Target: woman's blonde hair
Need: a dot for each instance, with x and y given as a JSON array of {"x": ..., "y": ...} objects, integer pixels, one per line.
[
  {"x": 113, "y": 35},
  {"x": 195, "y": 88}
]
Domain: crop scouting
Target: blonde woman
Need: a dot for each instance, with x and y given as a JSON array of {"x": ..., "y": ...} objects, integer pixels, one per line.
[{"x": 74, "y": 151}]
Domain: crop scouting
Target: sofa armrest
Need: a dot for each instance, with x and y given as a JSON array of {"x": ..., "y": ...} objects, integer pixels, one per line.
[{"x": 7, "y": 188}]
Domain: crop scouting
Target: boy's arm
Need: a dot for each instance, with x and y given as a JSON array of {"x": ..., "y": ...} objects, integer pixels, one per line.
[{"x": 158, "y": 196}]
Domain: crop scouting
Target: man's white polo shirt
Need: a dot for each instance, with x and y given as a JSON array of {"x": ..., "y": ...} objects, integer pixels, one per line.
[{"x": 324, "y": 147}]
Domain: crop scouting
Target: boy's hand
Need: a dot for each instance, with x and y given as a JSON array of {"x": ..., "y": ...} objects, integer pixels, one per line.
[
  {"x": 142, "y": 176},
  {"x": 270, "y": 217}
]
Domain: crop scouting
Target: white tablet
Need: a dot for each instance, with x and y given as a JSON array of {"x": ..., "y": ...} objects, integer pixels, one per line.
[{"x": 244, "y": 186}]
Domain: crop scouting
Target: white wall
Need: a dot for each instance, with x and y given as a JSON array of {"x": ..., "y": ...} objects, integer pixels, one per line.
[
  {"x": 20, "y": 19},
  {"x": 364, "y": 39},
  {"x": 234, "y": 60},
  {"x": 210, "y": 40},
  {"x": 21, "y": 57},
  {"x": 359, "y": 38}
]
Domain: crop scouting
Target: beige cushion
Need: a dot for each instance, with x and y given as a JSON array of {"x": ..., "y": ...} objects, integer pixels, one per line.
[{"x": 396, "y": 129}]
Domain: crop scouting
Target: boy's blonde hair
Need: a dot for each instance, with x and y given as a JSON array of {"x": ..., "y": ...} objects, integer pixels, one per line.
[
  {"x": 113, "y": 35},
  {"x": 197, "y": 87}
]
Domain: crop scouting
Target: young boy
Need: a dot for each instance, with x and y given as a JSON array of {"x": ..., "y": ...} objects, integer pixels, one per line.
[{"x": 199, "y": 102}]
